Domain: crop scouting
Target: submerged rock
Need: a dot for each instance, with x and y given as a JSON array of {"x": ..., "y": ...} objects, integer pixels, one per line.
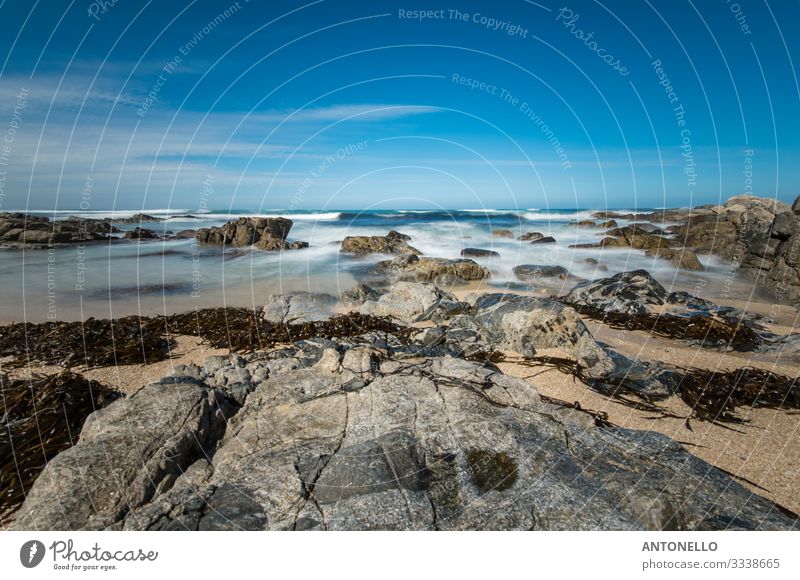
[
  {"x": 392, "y": 243},
  {"x": 680, "y": 258},
  {"x": 479, "y": 253},
  {"x": 141, "y": 234},
  {"x": 500, "y": 233},
  {"x": 531, "y": 236},
  {"x": 544, "y": 240},
  {"x": 530, "y": 272},
  {"x": 440, "y": 270}
]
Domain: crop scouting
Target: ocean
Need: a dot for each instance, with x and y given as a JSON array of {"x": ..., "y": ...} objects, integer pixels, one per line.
[{"x": 153, "y": 277}]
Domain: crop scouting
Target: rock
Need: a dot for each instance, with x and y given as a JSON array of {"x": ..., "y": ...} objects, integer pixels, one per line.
[
  {"x": 351, "y": 441},
  {"x": 524, "y": 323},
  {"x": 393, "y": 243},
  {"x": 597, "y": 265},
  {"x": 740, "y": 231},
  {"x": 634, "y": 237},
  {"x": 265, "y": 233},
  {"x": 683, "y": 259},
  {"x": 409, "y": 302},
  {"x": 708, "y": 234},
  {"x": 270, "y": 244},
  {"x": 608, "y": 224},
  {"x": 796, "y": 205},
  {"x": 460, "y": 339},
  {"x": 648, "y": 228},
  {"x": 530, "y": 272},
  {"x": 137, "y": 218},
  {"x": 783, "y": 277},
  {"x": 502, "y": 233},
  {"x": 299, "y": 307},
  {"x": 185, "y": 234},
  {"x": 358, "y": 295},
  {"x": 478, "y": 253},
  {"x": 585, "y": 224},
  {"x": 126, "y": 455},
  {"x": 21, "y": 230},
  {"x": 631, "y": 292},
  {"x": 141, "y": 234},
  {"x": 530, "y": 236},
  {"x": 786, "y": 225},
  {"x": 744, "y": 204},
  {"x": 653, "y": 381},
  {"x": 544, "y": 240},
  {"x": 689, "y": 301},
  {"x": 395, "y": 235},
  {"x": 440, "y": 270},
  {"x": 786, "y": 347}
]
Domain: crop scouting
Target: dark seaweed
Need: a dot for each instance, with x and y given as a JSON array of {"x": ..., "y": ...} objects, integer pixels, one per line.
[
  {"x": 712, "y": 395},
  {"x": 701, "y": 329},
  {"x": 42, "y": 416},
  {"x": 142, "y": 340}
]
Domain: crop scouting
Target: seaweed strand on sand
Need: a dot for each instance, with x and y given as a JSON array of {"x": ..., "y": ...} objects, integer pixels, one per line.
[
  {"x": 713, "y": 396},
  {"x": 702, "y": 329}
]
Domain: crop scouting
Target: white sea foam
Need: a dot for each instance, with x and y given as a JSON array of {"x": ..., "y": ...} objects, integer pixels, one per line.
[
  {"x": 538, "y": 216},
  {"x": 325, "y": 216}
]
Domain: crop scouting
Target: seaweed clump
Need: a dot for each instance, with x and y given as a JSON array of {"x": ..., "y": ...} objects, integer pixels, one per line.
[
  {"x": 243, "y": 329},
  {"x": 143, "y": 340},
  {"x": 491, "y": 470},
  {"x": 700, "y": 329},
  {"x": 716, "y": 396},
  {"x": 42, "y": 417},
  {"x": 94, "y": 342},
  {"x": 713, "y": 396}
]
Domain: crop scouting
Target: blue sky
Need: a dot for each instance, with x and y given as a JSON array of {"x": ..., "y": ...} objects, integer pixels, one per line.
[{"x": 340, "y": 104}]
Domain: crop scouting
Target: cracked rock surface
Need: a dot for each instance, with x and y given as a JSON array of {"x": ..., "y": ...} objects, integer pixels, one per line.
[{"x": 367, "y": 433}]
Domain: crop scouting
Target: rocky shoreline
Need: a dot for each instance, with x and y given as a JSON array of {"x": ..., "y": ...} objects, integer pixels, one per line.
[
  {"x": 414, "y": 426},
  {"x": 408, "y": 405},
  {"x": 759, "y": 238}
]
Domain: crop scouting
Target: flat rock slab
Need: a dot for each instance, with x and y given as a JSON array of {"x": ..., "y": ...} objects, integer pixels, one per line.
[{"x": 422, "y": 444}]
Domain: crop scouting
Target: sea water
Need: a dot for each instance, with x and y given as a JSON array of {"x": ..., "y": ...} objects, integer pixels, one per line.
[{"x": 151, "y": 277}]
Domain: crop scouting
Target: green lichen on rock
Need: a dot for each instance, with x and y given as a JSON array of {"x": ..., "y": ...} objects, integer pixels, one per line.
[{"x": 491, "y": 471}]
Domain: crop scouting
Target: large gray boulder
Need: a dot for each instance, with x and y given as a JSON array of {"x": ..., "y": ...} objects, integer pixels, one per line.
[
  {"x": 298, "y": 307},
  {"x": 263, "y": 233},
  {"x": 127, "y": 455},
  {"x": 524, "y": 324},
  {"x": 633, "y": 292},
  {"x": 412, "y": 302},
  {"x": 337, "y": 439}
]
